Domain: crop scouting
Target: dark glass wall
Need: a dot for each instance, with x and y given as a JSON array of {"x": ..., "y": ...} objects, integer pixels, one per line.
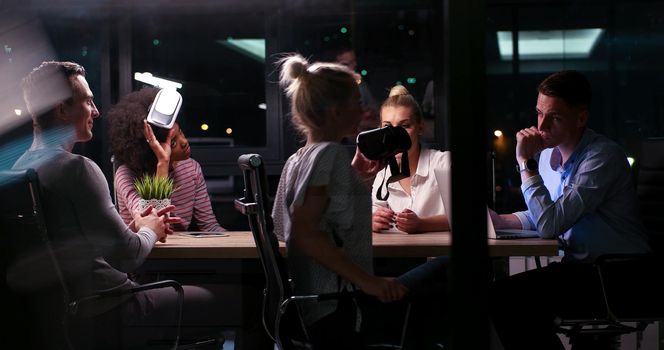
[
  {"x": 622, "y": 63},
  {"x": 224, "y": 54}
]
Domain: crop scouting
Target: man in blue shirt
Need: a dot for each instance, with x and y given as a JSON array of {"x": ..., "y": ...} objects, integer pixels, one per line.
[{"x": 578, "y": 189}]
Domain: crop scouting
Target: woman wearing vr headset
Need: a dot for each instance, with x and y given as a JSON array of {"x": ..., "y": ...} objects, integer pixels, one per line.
[
  {"x": 414, "y": 204},
  {"x": 166, "y": 153}
]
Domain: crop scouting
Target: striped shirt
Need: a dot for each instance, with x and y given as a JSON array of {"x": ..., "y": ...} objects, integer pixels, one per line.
[{"x": 191, "y": 199}]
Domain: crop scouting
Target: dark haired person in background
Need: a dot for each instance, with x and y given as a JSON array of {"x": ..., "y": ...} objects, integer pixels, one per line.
[
  {"x": 167, "y": 153},
  {"x": 578, "y": 189},
  {"x": 345, "y": 55}
]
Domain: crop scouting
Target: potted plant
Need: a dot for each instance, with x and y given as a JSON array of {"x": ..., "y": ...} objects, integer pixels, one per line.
[{"x": 154, "y": 191}]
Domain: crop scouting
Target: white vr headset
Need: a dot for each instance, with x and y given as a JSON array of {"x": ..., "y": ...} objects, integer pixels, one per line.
[{"x": 164, "y": 109}]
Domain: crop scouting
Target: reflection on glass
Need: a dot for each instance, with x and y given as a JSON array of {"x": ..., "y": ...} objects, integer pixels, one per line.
[
  {"x": 386, "y": 43},
  {"x": 617, "y": 45},
  {"x": 253, "y": 48},
  {"x": 549, "y": 44},
  {"x": 220, "y": 61}
]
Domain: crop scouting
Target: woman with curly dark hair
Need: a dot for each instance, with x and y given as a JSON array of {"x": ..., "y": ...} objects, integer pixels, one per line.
[{"x": 166, "y": 153}]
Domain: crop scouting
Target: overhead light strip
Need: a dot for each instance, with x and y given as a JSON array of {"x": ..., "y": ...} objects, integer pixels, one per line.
[{"x": 550, "y": 44}]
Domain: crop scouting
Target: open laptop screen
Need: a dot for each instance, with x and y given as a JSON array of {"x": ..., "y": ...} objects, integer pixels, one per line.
[{"x": 445, "y": 187}]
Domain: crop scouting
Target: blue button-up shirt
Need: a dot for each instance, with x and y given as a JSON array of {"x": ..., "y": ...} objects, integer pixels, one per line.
[{"x": 589, "y": 204}]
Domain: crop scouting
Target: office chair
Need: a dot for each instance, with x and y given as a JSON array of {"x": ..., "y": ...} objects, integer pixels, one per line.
[
  {"x": 282, "y": 322},
  {"x": 631, "y": 297},
  {"x": 32, "y": 276}
]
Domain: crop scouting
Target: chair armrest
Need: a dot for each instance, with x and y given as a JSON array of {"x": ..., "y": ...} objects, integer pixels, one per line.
[
  {"x": 148, "y": 286},
  {"x": 116, "y": 293},
  {"x": 322, "y": 297},
  {"x": 72, "y": 307},
  {"x": 343, "y": 295},
  {"x": 616, "y": 258},
  {"x": 356, "y": 294},
  {"x": 629, "y": 285}
]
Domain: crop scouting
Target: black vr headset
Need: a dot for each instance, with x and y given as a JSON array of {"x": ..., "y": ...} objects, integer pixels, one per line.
[{"x": 383, "y": 144}]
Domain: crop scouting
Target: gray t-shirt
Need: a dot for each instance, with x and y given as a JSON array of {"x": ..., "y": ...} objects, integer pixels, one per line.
[{"x": 346, "y": 220}]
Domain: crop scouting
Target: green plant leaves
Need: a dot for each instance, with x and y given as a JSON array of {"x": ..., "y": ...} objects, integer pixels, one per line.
[{"x": 154, "y": 187}]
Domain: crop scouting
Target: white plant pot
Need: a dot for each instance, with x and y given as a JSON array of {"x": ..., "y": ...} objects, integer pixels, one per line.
[{"x": 155, "y": 203}]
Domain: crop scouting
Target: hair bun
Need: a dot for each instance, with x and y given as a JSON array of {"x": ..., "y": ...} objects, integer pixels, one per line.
[
  {"x": 399, "y": 90},
  {"x": 297, "y": 68},
  {"x": 294, "y": 66}
]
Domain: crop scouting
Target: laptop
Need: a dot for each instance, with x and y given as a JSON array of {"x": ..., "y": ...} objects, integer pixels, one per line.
[
  {"x": 507, "y": 233},
  {"x": 445, "y": 188},
  {"x": 443, "y": 178}
]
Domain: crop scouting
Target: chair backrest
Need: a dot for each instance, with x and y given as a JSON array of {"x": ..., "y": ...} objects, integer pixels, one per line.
[
  {"x": 28, "y": 264},
  {"x": 114, "y": 168},
  {"x": 279, "y": 325},
  {"x": 631, "y": 290},
  {"x": 650, "y": 189},
  {"x": 491, "y": 180}
]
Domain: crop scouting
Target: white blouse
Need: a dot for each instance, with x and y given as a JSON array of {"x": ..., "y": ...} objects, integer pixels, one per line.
[{"x": 425, "y": 197}]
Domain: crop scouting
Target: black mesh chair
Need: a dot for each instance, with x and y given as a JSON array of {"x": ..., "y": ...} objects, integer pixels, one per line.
[
  {"x": 627, "y": 284},
  {"x": 36, "y": 299},
  {"x": 630, "y": 299},
  {"x": 281, "y": 320}
]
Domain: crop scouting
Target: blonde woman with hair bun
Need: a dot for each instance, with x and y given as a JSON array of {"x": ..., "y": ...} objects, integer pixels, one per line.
[
  {"x": 414, "y": 204},
  {"x": 322, "y": 207}
]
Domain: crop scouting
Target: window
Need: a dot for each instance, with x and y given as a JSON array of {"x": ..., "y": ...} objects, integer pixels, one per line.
[
  {"x": 394, "y": 43},
  {"x": 28, "y": 38},
  {"x": 220, "y": 60},
  {"x": 614, "y": 44}
]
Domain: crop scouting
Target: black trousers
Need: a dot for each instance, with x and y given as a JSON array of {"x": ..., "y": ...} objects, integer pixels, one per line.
[
  {"x": 524, "y": 306},
  {"x": 384, "y": 323},
  {"x": 337, "y": 330}
]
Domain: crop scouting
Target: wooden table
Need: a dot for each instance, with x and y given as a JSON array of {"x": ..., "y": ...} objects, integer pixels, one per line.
[
  {"x": 232, "y": 261},
  {"x": 240, "y": 245}
]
